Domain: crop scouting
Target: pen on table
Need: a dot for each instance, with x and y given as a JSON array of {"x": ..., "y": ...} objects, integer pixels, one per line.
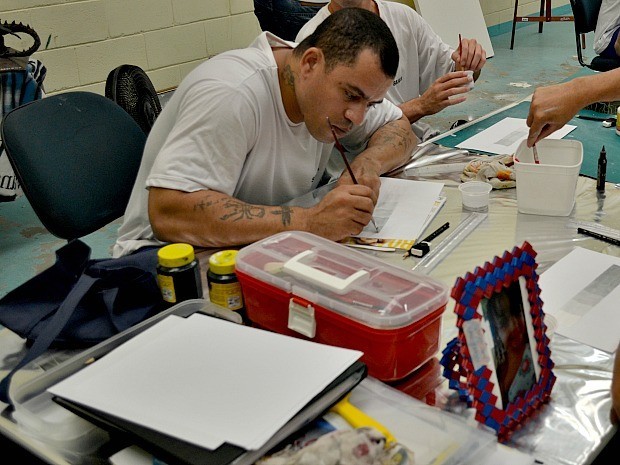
[
  {"x": 601, "y": 173},
  {"x": 602, "y": 237},
  {"x": 346, "y": 163},
  {"x": 607, "y": 121},
  {"x": 423, "y": 247}
]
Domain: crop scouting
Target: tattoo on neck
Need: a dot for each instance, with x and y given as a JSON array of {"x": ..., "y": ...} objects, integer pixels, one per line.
[{"x": 288, "y": 77}]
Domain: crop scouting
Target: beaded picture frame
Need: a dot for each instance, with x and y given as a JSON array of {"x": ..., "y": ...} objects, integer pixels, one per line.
[{"x": 500, "y": 362}]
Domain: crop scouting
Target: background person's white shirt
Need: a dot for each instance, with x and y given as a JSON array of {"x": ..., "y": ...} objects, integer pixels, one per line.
[{"x": 608, "y": 22}]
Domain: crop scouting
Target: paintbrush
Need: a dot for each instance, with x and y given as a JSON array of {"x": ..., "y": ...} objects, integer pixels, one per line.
[
  {"x": 536, "y": 160},
  {"x": 346, "y": 163}
]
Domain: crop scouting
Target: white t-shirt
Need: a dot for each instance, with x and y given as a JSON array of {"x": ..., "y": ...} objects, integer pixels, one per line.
[
  {"x": 607, "y": 23},
  {"x": 423, "y": 56},
  {"x": 225, "y": 128}
]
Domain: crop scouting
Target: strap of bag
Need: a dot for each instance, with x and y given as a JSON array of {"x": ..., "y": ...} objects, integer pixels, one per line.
[{"x": 52, "y": 329}]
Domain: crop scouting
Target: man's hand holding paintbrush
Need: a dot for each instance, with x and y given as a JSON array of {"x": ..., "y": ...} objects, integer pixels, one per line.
[{"x": 349, "y": 169}]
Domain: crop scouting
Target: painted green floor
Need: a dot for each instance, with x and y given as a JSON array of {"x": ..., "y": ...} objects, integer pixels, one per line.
[{"x": 26, "y": 248}]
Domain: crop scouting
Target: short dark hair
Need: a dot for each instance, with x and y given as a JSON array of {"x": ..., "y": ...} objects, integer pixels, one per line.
[{"x": 346, "y": 33}]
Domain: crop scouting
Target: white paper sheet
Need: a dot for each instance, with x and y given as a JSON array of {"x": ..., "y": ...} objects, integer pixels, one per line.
[
  {"x": 402, "y": 208},
  {"x": 582, "y": 291},
  {"x": 505, "y": 136},
  {"x": 208, "y": 381}
]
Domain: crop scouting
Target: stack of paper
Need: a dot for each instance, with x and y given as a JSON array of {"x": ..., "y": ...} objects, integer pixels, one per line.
[{"x": 208, "y": 382}]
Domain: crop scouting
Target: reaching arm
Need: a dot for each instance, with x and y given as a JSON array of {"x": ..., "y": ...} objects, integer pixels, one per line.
[
  {"x": 208, "y": 218},
  {"x": 553, "y": 106}
]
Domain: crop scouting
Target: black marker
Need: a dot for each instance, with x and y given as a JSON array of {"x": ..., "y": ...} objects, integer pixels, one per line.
[
  {"x": 423, "y": 247},
  {"x": 602, "y": 237},
  {"x": 602, "y": 171}
]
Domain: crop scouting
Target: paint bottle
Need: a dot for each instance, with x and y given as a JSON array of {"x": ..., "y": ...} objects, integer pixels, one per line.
[
  {"x": 224, "y": 287},
  {"x": 602, "y": 171},
  {"x": 178, "y": 273}
]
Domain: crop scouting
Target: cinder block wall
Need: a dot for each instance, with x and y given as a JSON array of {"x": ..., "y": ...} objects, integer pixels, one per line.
[
  {"x": 82, "y": 40},
  {"x": 501, "y": 11}
]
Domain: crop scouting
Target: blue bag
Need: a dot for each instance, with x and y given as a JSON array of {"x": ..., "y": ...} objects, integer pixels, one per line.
[{"x": 79, "y": 302}]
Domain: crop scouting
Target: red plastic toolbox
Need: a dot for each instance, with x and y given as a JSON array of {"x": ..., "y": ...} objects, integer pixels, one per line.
[{"x": 302, "y": 285}]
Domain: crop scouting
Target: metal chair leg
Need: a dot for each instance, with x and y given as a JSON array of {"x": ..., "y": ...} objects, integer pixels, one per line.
[
  {"x": 514, "y": 25},
  {"x": 542, "y": 13}
]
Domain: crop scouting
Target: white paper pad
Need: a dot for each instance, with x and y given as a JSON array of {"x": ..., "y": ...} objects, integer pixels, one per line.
[
  {"x": 505, "y": 136},
  {"x": 582, "y": 291},
  {"x": 402, "y": 208},
  {"x": 208, "y": 381}
]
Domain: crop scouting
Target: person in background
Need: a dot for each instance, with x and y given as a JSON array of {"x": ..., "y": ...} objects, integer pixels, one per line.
[
  {"x": 284, "y": 18},
  {"x": 606, "y": 33},
  {"x": 552, "y": 106},
  {"x": 429, "y": 76},
  {"x": 249, "y": 130}
]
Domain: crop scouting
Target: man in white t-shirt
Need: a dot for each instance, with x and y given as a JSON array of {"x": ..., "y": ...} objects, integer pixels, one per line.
[
  {"x": 247, "y": 131},
  {"x": 606, "y": 34},
  {"x": 426, "y": 81}
]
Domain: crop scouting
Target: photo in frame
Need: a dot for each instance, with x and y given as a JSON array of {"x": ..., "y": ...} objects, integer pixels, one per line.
[{"x": 500, "y": 362}]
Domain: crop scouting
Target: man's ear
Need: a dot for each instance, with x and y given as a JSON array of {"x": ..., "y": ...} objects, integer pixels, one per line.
[{"x": 311, "y": 61}]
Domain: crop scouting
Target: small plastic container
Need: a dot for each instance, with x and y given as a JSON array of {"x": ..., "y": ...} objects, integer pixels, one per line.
[
  {"x": 548, "y": 188},
  {"x": 475, "y": 195},
  {"x": 62, "y": 431},
  {"x": 178, "y": 273},
  {"x": 224, "y": 287},
  {"x": 303, "y": 285}
]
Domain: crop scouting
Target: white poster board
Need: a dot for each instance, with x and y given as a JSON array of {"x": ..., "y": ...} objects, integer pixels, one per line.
[{"x": 449, "y": 18}]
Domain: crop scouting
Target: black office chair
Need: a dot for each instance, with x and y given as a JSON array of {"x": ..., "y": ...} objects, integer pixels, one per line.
[
  {"x": 585, "y": 13},
  {"x": 76, "y": 156}
]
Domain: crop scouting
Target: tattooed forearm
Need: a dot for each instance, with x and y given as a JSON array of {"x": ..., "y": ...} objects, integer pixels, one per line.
[
  {"x": 241, "y": 211},
  {"x": 286, "y": 213},
  {"x": 236, "y": 210},
  {"x": 395, "y": 135},
  {"x": 205, "y": 203}
]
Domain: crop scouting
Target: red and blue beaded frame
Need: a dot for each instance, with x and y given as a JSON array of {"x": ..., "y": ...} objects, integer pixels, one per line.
[{"x": 475, "y": 385}]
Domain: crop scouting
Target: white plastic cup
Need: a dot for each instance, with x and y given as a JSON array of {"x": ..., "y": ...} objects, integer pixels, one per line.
[
  {"x": 469, "y": 86},
  {"x": 475, "y": 195}
]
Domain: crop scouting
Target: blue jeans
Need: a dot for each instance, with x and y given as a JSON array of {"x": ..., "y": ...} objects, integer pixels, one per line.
[
  {"x": 283, "y": 18},
  {"x": 610, "y": 51}
]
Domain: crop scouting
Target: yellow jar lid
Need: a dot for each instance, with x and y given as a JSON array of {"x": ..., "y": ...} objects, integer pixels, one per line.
[
  {"x": 175, "y": 255},
  {"x": 223, "y": 262}
]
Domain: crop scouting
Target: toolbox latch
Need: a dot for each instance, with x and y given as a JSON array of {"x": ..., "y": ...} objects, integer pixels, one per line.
[{"x": 301, "y": 318}]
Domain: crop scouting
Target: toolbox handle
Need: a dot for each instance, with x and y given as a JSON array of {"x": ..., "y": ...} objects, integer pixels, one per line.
[{"x": 294, "y": 266}]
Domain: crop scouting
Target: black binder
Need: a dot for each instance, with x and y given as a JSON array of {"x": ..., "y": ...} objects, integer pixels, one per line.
[{"x": 174, "y": 451}]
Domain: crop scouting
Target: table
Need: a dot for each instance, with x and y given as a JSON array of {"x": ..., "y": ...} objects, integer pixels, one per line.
[{"x": 572, "y": 429}]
